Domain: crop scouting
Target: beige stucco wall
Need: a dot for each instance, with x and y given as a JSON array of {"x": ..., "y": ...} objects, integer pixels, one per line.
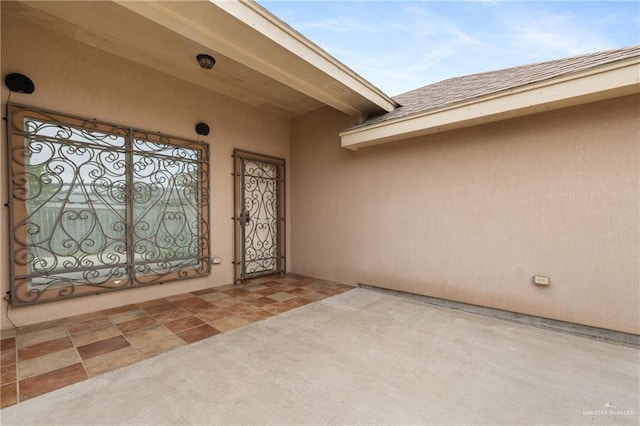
[
  {"x": 471, "y": 215},
  {"x": 74, "y": 78}
]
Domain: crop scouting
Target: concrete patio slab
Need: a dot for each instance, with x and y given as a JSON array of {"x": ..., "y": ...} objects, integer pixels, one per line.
[{"x": 362, "y": 357}]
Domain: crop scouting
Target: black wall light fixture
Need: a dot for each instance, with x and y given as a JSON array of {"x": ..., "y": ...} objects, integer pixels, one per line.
[
  {"x": 206, "y": 61},
  {"x": 19, "y": 83},
  {"x": 202, "y": 129}
]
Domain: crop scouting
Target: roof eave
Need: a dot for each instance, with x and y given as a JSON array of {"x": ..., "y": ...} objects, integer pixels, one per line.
[
  {"x": 605, "y": 82},
  {"x": 319, "y": 58},
  {"x": 292, "y": 59}
]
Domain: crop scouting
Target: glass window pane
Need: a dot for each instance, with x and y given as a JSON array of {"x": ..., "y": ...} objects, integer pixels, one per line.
[
  {"x": 98, "y": 207},
  {"x": 75, "y": 209},
  {"x": 166, "y": 205}
]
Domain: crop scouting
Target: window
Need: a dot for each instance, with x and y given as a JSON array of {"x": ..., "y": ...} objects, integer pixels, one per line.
[{"x": 98, "y": 207}]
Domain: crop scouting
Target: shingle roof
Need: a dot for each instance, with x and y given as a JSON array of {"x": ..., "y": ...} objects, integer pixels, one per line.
[{"x": 459, "y": 89}]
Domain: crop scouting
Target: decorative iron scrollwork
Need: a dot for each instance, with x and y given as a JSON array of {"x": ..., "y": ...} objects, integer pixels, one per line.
[
  {"x": 261, "y": 228},
  {"x": 99, "y": 207},
  {"x": 260, "y": 222}
]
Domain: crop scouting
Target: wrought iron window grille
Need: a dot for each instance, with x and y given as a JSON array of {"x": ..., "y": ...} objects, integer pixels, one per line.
[{"x": 98, "y": 207}]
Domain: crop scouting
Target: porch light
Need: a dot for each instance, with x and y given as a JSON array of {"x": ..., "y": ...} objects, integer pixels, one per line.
[{"x": 206, "y": 61}]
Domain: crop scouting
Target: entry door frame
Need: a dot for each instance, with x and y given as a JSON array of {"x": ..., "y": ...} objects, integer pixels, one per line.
[{"x": 240, "y": 217}]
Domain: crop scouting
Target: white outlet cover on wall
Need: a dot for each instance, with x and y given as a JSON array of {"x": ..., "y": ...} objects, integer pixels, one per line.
[{"x": 541, "y": 280}]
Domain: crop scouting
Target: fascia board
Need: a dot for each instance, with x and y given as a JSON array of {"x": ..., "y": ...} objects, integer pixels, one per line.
[
  {"x": 615, "y": 80},
  {"x": 292, "y": 60}
]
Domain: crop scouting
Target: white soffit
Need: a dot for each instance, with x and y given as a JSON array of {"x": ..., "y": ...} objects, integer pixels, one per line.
[
  {"x": 245, "y": 32},
  {"x": 609, "y": 81}
]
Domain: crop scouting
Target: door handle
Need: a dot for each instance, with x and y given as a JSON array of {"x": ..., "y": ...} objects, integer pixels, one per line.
[{"x": 244, "y": 217}]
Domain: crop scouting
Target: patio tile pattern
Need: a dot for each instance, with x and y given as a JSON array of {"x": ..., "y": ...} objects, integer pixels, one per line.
[{"x": 41, "y": 358}]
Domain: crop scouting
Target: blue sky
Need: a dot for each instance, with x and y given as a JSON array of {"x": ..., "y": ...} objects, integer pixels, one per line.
[{"x": 403, "y": 45}]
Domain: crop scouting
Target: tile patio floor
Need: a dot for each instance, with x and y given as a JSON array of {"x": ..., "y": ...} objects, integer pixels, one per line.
[{"x": 43, "y": 357}]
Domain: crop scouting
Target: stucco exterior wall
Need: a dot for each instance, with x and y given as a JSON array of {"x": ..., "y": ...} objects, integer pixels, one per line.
[
  {"x": 75, "y": 78},
  {"x": 471, "y": 215}
]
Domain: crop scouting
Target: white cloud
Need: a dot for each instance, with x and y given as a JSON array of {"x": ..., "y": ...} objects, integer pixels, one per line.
[
  {"x": 395, "y": 26},
  {"x": 339, "y": 24},
  {"x": 542, "y": 33}
]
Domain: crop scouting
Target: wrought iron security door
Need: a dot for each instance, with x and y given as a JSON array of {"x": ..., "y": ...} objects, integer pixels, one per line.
[{"x": 259, "y": 215}]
